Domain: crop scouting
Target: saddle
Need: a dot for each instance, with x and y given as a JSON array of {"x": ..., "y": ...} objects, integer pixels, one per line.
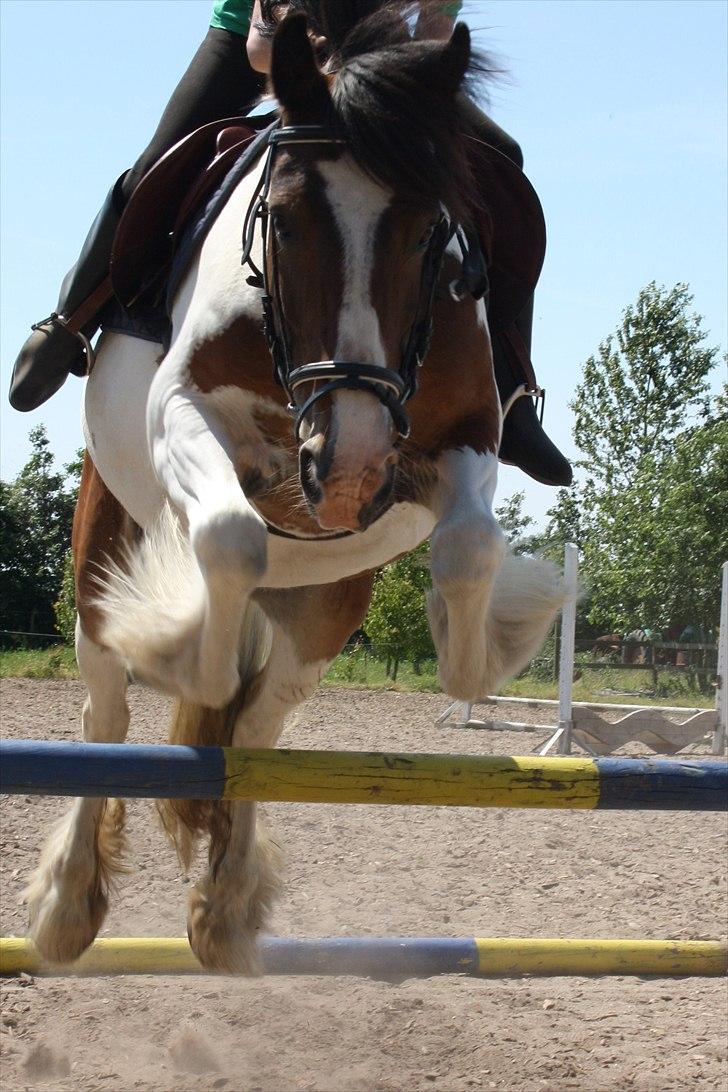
[
  {"x": 179, "y": 184},
  {"x": 176, "y": 202}
]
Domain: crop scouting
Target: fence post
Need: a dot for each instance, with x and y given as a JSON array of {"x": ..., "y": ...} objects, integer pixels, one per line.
[
  {"x": 568, "y": 635},
  {"x": 561, "y": 739},
  {"x": 720, "y": 736}
]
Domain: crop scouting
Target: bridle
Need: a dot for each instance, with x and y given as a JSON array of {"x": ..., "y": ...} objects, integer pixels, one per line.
[{"x": 392, "y": 388}]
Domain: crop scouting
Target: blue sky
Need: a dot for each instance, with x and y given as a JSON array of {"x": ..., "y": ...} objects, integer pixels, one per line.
[{"x": 619, "y": 105}]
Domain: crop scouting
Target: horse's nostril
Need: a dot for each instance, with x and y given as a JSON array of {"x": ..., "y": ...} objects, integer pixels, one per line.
[{"x": 307, "y": 474}]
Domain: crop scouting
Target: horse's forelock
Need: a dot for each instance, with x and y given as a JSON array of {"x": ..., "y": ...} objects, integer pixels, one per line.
[{"x": 394, "y": 100}]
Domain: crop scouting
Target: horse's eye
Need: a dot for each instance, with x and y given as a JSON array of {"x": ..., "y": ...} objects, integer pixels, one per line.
[
  {"x": 280, "y": 227},
  {"x": 426, "y": 237}
]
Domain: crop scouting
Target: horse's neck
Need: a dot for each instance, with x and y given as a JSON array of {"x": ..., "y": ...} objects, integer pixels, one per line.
[{"x": 215, "y": 293}]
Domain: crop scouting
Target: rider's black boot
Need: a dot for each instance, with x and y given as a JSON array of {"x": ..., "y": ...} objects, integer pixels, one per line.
[
  {"x": 524, "y": 443},
  {"x": 52, "y": 352}
]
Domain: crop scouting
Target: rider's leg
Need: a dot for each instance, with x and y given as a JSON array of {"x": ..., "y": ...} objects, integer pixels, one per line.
[
  {"x": 218, "y": 82},
  {"x": 524, "y": 442}
]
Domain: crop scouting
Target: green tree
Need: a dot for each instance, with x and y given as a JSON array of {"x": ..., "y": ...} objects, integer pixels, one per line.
[
  {"x": 515, "y": 523},
  {"x": 648, "y": 510},
  {"x": 396, "y": 622},
  {"x": 642, "y": 387},
  {"x": 36, "y": 513},
  {"x": 664, "y": 539},
  {"x": 65, "y": 605}
]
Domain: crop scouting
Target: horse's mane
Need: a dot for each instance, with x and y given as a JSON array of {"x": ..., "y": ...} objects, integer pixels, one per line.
[{"x": 394, "y": 102}]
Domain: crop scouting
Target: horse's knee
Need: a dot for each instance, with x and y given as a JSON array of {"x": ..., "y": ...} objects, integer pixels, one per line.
[
  {"x": 230, "y": 544},
  {"x": 466, "y": 553}
]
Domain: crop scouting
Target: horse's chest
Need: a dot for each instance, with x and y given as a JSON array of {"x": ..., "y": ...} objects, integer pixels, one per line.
[
  {"x": 296, "y": 562},
  {"x": 266, "y": 462}
]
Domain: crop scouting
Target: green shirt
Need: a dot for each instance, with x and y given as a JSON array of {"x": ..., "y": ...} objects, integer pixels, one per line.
[{"x": 234, "y": 15}]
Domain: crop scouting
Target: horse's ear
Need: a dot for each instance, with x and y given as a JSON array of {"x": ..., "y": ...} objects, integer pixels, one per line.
[
  {"x": 297, "y": 81},
  {"x": 455, "y": 58}
]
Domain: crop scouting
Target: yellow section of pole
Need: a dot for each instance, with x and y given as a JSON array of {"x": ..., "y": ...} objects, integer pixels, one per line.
[
  {"x": 330, "y": 777},
  {"x": 502, "y": 958},
  {"x": 117, "y": 955},
  {"x": 518, "y": 956}
]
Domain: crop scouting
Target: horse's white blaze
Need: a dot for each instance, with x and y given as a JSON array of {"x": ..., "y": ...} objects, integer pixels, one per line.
[{"x": 357, "y": 204}]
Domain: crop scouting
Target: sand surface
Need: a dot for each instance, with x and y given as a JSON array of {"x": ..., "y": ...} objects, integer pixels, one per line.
[{"x": 408, "y": 871}]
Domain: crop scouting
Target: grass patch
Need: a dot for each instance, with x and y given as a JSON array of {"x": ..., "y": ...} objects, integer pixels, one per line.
[
  {"x": 360, "y": 670},
  {"x": 611, "y": 687},
  {"x": 56, "y": 662}
]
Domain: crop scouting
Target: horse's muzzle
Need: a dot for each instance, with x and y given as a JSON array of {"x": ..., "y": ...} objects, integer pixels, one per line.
[{"x": 340, "y": 499}]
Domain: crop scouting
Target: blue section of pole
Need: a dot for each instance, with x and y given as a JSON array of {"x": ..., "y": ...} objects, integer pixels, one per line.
[
  {"x": 391, "y": 958},
  {"x": 105, "y": 769},
  {"x": 659, "y": 784}
]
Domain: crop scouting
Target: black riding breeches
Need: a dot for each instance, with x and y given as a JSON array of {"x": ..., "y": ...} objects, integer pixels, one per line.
[{"x": 218, "y": 83}]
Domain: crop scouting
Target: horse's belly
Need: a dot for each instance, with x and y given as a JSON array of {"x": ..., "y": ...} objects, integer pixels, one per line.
[
  {"x": 292, "y": 563},
  {"x": 114, "y": 423}
]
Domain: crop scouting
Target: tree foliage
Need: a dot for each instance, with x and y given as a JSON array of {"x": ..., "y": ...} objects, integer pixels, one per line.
[
  {"x": 642, "y": 387},
  {"x": 397, "y": 620},
  {"x": 649, "y": 509},
  {"x": 36, "y": 513}
]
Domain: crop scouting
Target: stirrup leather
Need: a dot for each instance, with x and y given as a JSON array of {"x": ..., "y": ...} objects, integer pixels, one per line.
[{"x": 535, "y": 392}]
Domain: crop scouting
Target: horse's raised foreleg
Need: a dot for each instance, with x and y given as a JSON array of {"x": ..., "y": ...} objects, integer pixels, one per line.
[
  {"x": 467, "y": 547},
  {"x": 175, "y": 616},
  {"x": 488, "y": 612},
  {"x": 231, "y": 904},
  {"x": 68, "y": 893}
]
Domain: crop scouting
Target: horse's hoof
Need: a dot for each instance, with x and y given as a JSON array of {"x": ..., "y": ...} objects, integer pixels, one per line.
[
  {"x": 221, "y": 939},
  {"x": 63, "y": 931}
]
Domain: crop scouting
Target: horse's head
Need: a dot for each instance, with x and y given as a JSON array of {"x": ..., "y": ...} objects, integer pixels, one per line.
[{"x": 363, "y": 187}]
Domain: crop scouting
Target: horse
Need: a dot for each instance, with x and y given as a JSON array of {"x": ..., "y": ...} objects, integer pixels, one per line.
[{"x": 223, "y": 553}]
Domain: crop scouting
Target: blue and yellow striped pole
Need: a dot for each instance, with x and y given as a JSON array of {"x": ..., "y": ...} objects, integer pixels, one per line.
[
  {"x": 396, "y": 958},
  {"x": 335, "y": 777}
]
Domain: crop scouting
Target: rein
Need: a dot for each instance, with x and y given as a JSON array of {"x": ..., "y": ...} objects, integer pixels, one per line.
[{"x": 391, "y": 388}]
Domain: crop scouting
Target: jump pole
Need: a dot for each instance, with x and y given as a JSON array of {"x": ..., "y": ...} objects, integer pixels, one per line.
[
  {"x": 395, "y": 958},
  {"x": 351, "y": 777}
]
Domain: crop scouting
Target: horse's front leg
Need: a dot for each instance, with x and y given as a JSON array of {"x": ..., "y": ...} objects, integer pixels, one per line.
[
  {"x": 231, "y": 905},
  {"x": 174, "y": 609},
  {"x": 467, "y": 548},
  {"x": 194, "y": 459},
  {"x": 489, "y": 610}
]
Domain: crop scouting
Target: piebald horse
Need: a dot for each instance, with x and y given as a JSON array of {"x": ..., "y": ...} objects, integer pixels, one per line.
[{"x": 223, "y": 554}]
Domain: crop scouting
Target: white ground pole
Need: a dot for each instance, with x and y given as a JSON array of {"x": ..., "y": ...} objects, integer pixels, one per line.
[{"x": 720, "y": 736}]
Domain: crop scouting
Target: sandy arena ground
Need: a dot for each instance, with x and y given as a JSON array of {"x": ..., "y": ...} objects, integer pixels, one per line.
[{"x": 356, "y": 870}]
